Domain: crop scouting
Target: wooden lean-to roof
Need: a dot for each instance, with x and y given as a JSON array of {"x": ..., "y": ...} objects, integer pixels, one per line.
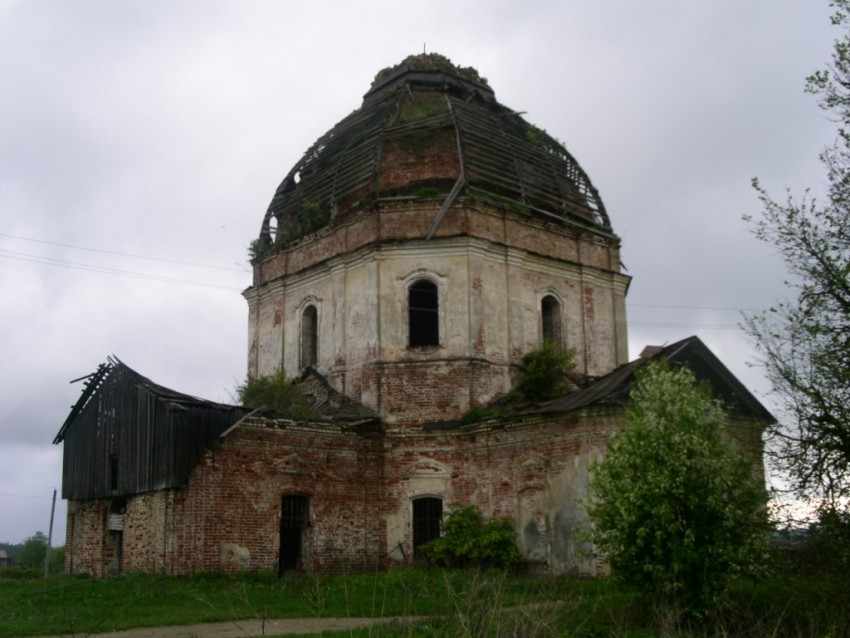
[{"x": 127, "y": 435}]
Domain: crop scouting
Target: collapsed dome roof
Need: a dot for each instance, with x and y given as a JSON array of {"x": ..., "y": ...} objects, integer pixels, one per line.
[{"x": 428, "y": 128}]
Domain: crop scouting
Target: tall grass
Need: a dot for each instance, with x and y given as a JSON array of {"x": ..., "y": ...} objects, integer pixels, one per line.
[{"x": 791, "y": 603}]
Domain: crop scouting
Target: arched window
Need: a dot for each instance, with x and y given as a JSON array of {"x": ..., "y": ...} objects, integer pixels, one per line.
[
  {"x": 309, "y": 337},
  {"x": 427, "y": 514},
  {"x": 423, "y": 314},
  {"x": 550, "y": 310}
]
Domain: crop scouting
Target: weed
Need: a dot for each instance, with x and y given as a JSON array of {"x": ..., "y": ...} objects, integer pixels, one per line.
[
  {"x": 543, "y": 372},
  {"x": 276, "y": 393},
  {"x": 417, "y": 603}
]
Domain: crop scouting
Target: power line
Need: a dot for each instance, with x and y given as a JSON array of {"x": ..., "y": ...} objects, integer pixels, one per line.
[
  {"x": 121, "y": 254},
  {"x": 670, "y": 307},
  {"x": 34, "y": 486},
  {"x": 49, "y": 261},
  {"x": 87, "y": 267},
  {"x": 700, "y": 326}
]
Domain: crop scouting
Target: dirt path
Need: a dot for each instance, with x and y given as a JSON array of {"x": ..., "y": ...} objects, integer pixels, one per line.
[{"x": 243, "y": 628}]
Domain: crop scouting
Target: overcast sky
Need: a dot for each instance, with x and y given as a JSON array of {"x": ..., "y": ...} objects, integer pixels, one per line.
[{"x": 141, "y": 142}]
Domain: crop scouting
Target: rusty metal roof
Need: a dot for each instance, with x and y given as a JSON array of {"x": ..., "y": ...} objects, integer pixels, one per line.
[
  {"x": 487, "y": 151},
  {"x": 615, "y": 388}
]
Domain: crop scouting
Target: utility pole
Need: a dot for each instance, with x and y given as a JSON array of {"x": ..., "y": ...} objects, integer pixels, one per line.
[{"x": 49, "y": 537}]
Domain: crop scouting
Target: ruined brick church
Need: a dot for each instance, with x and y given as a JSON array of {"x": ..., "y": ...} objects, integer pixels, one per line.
[{"x": 405, "y": 265}]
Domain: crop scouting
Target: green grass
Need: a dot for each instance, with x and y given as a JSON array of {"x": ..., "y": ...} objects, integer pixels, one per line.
[{"x": 447, "y": 603}]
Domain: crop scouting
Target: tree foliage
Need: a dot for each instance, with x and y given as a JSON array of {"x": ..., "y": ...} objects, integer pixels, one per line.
[
  {"x": 32, "y": 551},
  {"x": 466, "y": 541},
  {"x": 804, "y": 342},
  {"x": 277, "y": 394},
  {"x": 674, "y": 507}
]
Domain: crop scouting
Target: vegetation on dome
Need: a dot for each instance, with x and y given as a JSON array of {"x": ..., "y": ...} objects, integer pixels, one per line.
[{"x": 429, "y": 62}]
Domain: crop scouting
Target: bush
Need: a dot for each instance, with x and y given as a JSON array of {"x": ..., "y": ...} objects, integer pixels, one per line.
[
  {"x": 276, "y": 393},
  {"x": 467, "y": 542},
  {"x": 56, "y": 562},
  {"x": 18, "y": 573},
  {"x": 543, "y": 372}
]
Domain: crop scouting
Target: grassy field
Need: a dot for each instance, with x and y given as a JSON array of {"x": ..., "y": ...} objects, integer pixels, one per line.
[{"x": 457, "y": 603}]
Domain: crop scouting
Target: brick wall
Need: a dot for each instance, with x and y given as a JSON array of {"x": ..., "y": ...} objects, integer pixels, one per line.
[
  {"x": 85, "y": 538},
  {"x": 360, "y": 488}
]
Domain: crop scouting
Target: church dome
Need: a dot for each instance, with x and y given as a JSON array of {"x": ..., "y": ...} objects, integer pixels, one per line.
[{"x": 430, "y": 129}]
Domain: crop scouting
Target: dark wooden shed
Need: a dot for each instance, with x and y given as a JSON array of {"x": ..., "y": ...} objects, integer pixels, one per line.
[{"x": 127, "y": 435}]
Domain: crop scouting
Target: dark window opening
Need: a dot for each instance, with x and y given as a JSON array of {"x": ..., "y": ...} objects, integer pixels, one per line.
[
  {"x": 423, "y": 314},
  {"x": 294, "y": 517},
  {"x": 113, "y": 473},
  {"x": 427, "y": 515},
  {"x": 309, "y": 337},
  {"x": 550, "y": 309}
]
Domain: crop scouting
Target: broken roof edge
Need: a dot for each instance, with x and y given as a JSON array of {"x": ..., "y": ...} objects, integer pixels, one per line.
[
  {"x": 96, "y": 380},
  {"x": 615, "y": 387},
  {"x": 435, "y": 62},
  {"x": 430, "y": 77},
  {"x": 327, "y": 405},
  {"x": 334, "y": 403}
]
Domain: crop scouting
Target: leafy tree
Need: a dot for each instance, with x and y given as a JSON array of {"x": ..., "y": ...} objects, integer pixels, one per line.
[
  {"x": 277, "y": 394},
  {"x": 33, "y": 551},
  {"x": 468, "y": 542},
  {"x": 804, "y": 343},
  {"x": 674, "y": 507}
]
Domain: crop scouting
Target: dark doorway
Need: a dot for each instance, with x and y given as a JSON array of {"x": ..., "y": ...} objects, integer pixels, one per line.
[
  {"x": 423, "y": 314},
  {"x": 115, "y": 537},
  {"x": 427, "y": 514},
  {"x": 294, "y": 515}
]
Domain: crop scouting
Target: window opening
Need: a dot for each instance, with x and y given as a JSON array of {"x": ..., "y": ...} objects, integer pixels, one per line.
[
  {"x": 423, "y": 314},
  {"x": 550, "y": 309},
  {"x": 427, "y": 515},
  {"x": 309, "y": 337},
  {"x": 294, "y": 516},
  {"x": 113, "y": 474}
]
